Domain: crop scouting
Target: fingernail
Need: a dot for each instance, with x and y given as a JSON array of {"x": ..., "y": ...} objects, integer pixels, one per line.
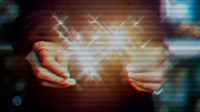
[
  {"x": 70, "y": 81},
  {"x": 67, "y": 74}
]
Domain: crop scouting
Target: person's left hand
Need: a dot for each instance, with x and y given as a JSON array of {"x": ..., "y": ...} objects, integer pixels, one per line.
[{"x": 148, "y": 71}]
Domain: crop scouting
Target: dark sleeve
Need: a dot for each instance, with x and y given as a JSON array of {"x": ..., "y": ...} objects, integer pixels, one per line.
[{"x": 34, "y": 20}]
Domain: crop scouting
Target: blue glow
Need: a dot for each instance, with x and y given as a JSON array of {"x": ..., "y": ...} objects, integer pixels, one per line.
[
  {"x": 17, "y": 101},
  {"x": 179, "y": 10}
]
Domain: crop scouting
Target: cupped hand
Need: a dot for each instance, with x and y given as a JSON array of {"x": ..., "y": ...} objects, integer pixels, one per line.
[
  {"x": 49, "y": 62},
  {"x": 148, "y": 72}
]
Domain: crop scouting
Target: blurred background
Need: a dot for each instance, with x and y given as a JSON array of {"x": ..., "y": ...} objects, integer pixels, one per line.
[
  {"x": 180, "y": 94},
  {"x": 13, "y": 69}
]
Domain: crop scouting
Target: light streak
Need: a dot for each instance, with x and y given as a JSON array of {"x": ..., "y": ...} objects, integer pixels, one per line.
[
  {"x": 136, "y": 23},
  {"x": 104, "y": 42}
]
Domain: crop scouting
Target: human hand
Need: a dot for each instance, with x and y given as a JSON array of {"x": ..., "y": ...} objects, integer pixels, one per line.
[
  {"x": 49, "y": 62},
  {"x": 148, "y": 71}
]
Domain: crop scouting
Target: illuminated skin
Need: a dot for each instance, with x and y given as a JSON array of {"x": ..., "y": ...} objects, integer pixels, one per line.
[
  {"x": 147, "y": 73},
  {"x": 48, "y": 61}
]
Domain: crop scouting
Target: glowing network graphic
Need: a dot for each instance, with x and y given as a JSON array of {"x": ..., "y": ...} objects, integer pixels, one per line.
[{"x": 99, "y": 41}]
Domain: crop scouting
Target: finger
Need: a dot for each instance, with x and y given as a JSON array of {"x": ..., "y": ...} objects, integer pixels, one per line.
[
  {"x": 158, "y": 75},
  {"x": 48, "y": 84},
  {"x": 153, "y": 76},
  {"x": 53, "y": 85},
  {"x": 140, "y": 67},
  {"x": 166, "y": 65},
  {"x": 45, "y": 75},
  {"x": 40, "y": 45},
  {"x": 46, "y": 53},
  {"x": 153, "y": 55},
  {"x": 148, "y": 59},
  {"x": 32, "y": 59},
  {"x": 48, "y": 61},
  {"x": 147, "y": 86},
  {"x": 138, "y": 88}
]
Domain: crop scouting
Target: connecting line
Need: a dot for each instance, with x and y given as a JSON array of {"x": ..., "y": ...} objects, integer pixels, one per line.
[
  {"x": 93, "y": 19},
  {"x": 86, "y": 51},
  {"x": 136, "y": 23},
  {"x": 61, "y": 24}
]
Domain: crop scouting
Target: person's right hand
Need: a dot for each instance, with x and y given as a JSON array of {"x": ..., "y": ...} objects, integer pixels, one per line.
[{"x": 49, "y": 62}]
